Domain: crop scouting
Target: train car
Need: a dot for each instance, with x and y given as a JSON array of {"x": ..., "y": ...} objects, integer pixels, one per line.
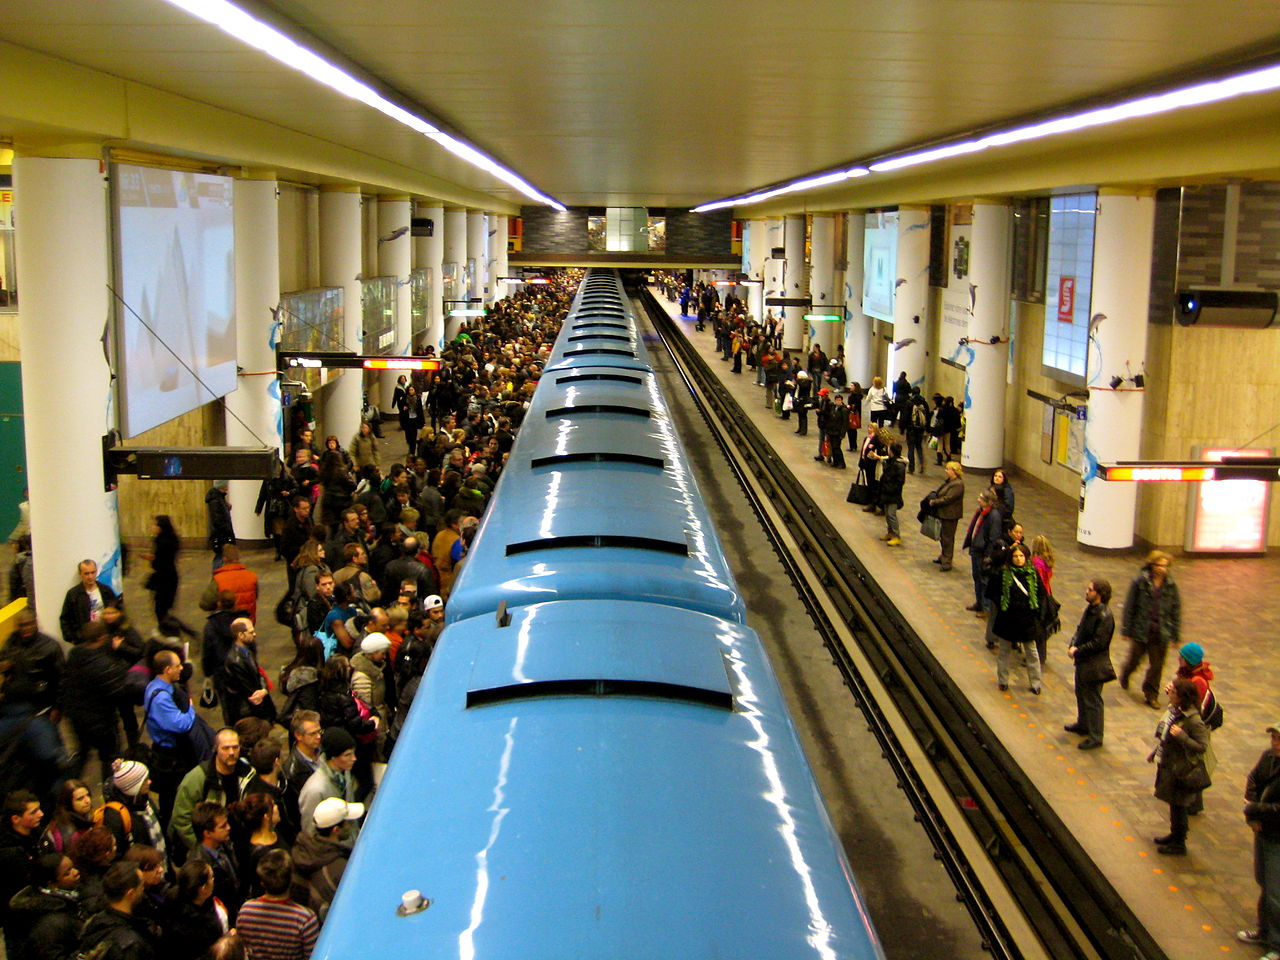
[{"x": 599, "y": 761}]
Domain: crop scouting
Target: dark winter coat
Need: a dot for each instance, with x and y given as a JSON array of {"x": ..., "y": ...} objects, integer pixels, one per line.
[
  {"x": 46, "y": 923},
  {"x": 1262, "y": 795},
  {"x": 1138, "y": 609},
  {"x": 947, "y": 502},
  {"x": 36, "y": 672},
  {"x": 1092, "y": 641},
  {"x": 1179, "y": 757},
  {"x": 75, "y": 609},
  {"x": 93, "y": 685},
  {"x": 893, "y": 474},
  {"x": 1016, "y": 620},
  {"x": 130, "y": 936},
  {"x": 218, "y": 513}
]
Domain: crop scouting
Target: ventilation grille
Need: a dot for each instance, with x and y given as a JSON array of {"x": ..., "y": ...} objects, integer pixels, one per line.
[
  {"x": 560, "y": 458},
  {"x": 617, "y": 541},
  {"x": 596, "y": 351},
  {"x": 635, "y": 689},
  {"x": 599, "y": 336},
  {"x": 601, "y": 323},
  {"x": 598, "y": 408},
  {"x": 580, "y": 377}
]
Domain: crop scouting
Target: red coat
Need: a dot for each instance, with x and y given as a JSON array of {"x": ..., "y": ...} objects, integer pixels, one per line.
[{"x": 241, "y": 581}]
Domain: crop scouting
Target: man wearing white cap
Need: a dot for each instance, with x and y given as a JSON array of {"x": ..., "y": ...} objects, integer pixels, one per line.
[
  {"x": 319, "y": 856},
  {"x": 1262, "y": 813}
]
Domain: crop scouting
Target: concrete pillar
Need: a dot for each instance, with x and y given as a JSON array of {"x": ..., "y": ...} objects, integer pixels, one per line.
[
  {"x": 341, "y": 231},
  {"x": 1117, "y": 335},
  {"x": 773, "y": 266},
  {"x": 822, "y": 238},
  {"x": 986, "y": 363},
  {"x": 455, "y": 255},
  {"x": 430, "y": 255},
  {"x": 252, "y": 411},
  {"x": 857, "y": 325},
  {"x": 796, "y": 284},
  {"x": 499, "y": 227},
  {"x": 909, "y": 351},
  {"x": 61, "y": 203},
  {"x": 478, "y": 254},
  {"x": 755, "y": 249},
  {"x": 394, "y": 259}
]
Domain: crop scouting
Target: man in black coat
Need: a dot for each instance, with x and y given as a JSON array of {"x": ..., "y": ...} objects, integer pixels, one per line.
[
  {"x": 93, "y": 686},
  {"x": 409, "y": 567},
  {"x": 1091, "y": 650},
  {"x": 218, "y": 512},
  {"x": 1262, "y": 813},
  {"x": 129, "y": 937},
  {"x": 84, "y": 602},
  {"x": 19, "y": 837}
]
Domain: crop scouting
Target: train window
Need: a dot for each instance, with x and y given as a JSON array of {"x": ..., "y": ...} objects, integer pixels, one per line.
[
  {"x": 599, "y": 336},
  {"x": 560, "y": 458},
  {"x": 641, "y": 689},
  {"x": 679, "y": 548},
  {"x": 598, "y": 408},
  {"x": 580, "y": 377}
]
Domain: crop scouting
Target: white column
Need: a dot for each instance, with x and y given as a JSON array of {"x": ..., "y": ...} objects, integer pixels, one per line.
[
  {"x": 988, "y": 295},
  {"x": 430, "y": 255},
  {"x": 796, "y": 283},
  {"x": 773, "y": 266},
  {"x": 857, "y": 325},
  {"x": 1118, "y": 335},
  {"x": 62, "y": 247},
  {"x": 478, "y": 252},
  {"x": 911, "y": 299},
  {"x": 252, "y": 411},
  {"x": 756, "y": 249},
  {"x": 455, "y": 253},
  {"x": 822, "y": 238},
  {"x": 501, "y": 267},
  {"x": 340, "y": 263},
  {"x": 394, "y": 259}
]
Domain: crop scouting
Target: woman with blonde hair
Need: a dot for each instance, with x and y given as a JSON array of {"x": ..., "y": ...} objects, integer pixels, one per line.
[
  {"x": 947, "y": 504},
  {"x": 877, "y": 401},
  {"x": 310, "y": 564}
]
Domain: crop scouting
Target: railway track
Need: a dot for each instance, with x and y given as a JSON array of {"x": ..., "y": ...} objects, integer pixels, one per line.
[{"x": 1027, "y": 883}]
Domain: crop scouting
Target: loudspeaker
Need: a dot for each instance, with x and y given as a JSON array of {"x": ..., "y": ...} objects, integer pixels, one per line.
[{"x": 1208, "y": 307}]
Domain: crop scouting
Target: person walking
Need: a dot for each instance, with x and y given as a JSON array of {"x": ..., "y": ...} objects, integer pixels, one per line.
[
  {"x": 1182, "y": 742},
  {"x": 1091, "y": 650},
  {"x": 1152, "y": 621}
]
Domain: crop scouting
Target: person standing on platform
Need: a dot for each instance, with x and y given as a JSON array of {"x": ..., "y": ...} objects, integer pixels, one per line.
[
  {"x": 1091, "y": 650},
  {"x": 803, "y": 401},
  {"x": 1018, "y": 610},
  {"x": 985, "y": 534},
  {"x": 835, "y": 427},
  {"x": 84, "y": 602},
  {"x": 218, "y": 512},
  {"x": 1182, "y": 742},
  {"x": 947, "y": 504},
  {"x": 1152, "y": 621},
  {"x": 1262, "y": 814},
  {"x": 916, "y": 427},
  {"x": 877, "y": 402},
  {"x": 893, "y": 474}
]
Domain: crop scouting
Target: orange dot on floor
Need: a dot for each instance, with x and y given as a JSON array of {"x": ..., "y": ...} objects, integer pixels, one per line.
[
  {"x": 1041, "y": 736},
  {"x": 1206, "y": 927},
  {"x": 1023, "y": 716},
  {"x": 1187, "y": 906},
  {"x": 1094, "y": 796},
  {"x": 1079, "y": 783},
  {"x": 1153, "y": 869},
  {"x": 1116, "y": 823},
  {"x": 1172, "y": 888},
  {"x": 1071, "y": 769},
  {"x": 1143, "y": 853}
]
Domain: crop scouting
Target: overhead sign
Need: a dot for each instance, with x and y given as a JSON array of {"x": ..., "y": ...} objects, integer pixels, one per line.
[
  {"x": 319, "y": 360},
  {"x": 1230, "y": 516}
]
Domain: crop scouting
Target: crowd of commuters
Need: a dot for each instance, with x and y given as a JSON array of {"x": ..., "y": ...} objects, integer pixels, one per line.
[
  {"x": 895, "y": 431},
  {"x": 200, "y": 842}
]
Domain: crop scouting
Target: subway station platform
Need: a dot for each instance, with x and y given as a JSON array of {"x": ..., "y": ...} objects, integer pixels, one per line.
[{"x": 1192, "y": 905}]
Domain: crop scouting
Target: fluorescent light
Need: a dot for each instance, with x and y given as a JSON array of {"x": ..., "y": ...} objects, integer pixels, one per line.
[
  {"x": 231, "y": 19},
  {"x": 466, "y": 313},
  {"x": 1209, "y": 91}
]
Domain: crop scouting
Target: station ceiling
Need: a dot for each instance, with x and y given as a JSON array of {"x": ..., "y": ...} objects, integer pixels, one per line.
[{"x": 651, "y": 104}]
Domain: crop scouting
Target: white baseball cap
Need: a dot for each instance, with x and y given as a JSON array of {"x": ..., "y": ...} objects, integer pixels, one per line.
[{"x": 331, "y": 811}]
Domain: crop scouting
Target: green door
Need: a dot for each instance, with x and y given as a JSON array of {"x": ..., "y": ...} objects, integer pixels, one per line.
[{"x": 13, "y": 446}]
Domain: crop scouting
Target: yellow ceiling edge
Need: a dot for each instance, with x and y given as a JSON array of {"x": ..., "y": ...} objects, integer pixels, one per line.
[
  {"x": 1240, "y": 138},
  {"x": 48, "y": 101}
]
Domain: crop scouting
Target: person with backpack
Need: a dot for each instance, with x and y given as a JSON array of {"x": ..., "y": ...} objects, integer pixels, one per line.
[
  {"x": 221, "y": 779},
  {"x": 1193, "y": 666},
  {"x": 128, "y": 811},
  {"x": 916, "y": 428},
  {"x": 170, "y": 716}
]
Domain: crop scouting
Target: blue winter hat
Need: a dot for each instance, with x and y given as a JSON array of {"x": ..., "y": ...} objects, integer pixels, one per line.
[{"x": 1193, "y": 653}]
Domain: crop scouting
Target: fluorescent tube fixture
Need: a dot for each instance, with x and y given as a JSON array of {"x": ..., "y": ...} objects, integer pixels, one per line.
[
  {"x": 245, "y": 28},
  {"x": 1209, "y": 91}
]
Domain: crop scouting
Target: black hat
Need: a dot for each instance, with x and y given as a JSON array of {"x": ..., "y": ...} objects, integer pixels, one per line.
[{"x": 336, "y": 742}]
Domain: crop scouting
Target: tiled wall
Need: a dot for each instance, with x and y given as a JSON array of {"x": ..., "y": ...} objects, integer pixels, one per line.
[
  {"x": 688, "y": 234},
  {"x": 1257, "y": 237}
]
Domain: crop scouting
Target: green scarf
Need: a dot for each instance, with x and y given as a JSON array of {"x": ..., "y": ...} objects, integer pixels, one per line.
[{"x": 1007, "y": 576}]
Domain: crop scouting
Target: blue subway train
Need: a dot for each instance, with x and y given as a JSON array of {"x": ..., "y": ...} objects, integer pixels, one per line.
[{"x": 599, "y": 762}]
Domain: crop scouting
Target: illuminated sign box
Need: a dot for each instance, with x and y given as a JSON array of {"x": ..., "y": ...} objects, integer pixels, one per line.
[{"x": 1228, "y": 516}]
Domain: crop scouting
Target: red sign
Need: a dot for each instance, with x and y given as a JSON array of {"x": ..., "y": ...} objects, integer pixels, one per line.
[{"x": 1066, "y": 299}]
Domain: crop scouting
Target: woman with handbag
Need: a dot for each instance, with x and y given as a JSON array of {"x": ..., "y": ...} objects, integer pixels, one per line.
[
  {"x": 869, "y": 457},
  {"x": 1180, "y": 754},
  {"x": 947, "y": 504}
]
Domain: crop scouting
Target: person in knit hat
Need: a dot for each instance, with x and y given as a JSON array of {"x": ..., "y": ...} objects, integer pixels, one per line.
[
  {"x": 129, "y": 811},
  {"x": 332, "y": 778},
  {"x": 1193, "y": 666}
]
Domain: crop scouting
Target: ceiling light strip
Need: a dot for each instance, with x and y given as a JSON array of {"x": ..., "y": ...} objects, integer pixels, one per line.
[
  {"x": 1211, "y": 91},
  {"x": 231, "y": 19}
]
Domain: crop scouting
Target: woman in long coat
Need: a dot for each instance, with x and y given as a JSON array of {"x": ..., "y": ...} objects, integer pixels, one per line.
[{"x": 1182, "y": 739}]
